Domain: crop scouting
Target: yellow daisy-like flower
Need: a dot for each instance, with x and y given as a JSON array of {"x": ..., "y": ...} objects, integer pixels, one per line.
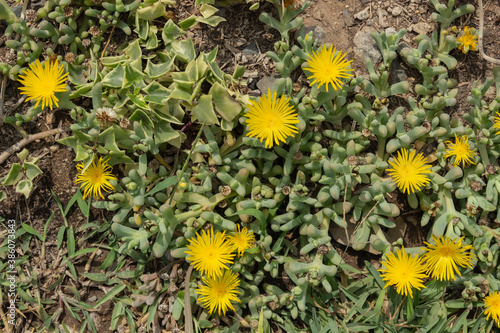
[
  {"x": 241, "y": 240},
  {"x": 443, "y": 258},
  {"x": 271, "y": 119},
  {"x": 209, "y": 253},
  {"x": 95, "y": 178},
  {"x": 403, "y": 271},
  {"x": 496, "y": 123},
  {"x": 218, "y": 292},
  {"x": 41, "y": 82},
  {"x": 327, "y": 67},
  {"x": 468, "y": 39},
  {"x": 492, "y": 304},
  {"x": 461, "y": 150},
  {"x": 409, "y": 171}
]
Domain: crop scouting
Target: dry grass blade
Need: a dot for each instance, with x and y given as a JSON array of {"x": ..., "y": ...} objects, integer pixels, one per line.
[{"x": 188, "y": 316}]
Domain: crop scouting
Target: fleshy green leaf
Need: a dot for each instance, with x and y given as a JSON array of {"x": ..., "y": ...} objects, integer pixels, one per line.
[
  {"x": 31, "y": 170},
  {"x": 24, "y": 186},
  {"x": 14, "y": 175},
  {"x": 204, "y": 111}
]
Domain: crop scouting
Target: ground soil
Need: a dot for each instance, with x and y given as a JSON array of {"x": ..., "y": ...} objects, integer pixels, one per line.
[{"x": 231, "y": 37}]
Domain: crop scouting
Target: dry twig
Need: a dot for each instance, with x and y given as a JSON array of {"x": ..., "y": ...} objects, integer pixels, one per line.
[
  {"x": 30, "y": 138},
  {"x": 481, "y": 28}
]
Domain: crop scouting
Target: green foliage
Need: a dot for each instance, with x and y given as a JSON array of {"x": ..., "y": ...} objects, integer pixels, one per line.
[{"x": 21, "y": 174}]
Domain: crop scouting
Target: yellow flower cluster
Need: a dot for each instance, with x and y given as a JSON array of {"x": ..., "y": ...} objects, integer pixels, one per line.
[
  {"x": 95, "y": 178},
  {"x": 273, "y": 120},
  {"x": 210, "y": 253},
  {"x": 410, "y": 170},
  {"x": 468, "y": 40},
  {"x": 440, "y": 262}
]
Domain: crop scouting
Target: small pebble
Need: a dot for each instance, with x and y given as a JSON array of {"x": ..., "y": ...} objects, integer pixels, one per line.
[{"x": 396, "y": 11}]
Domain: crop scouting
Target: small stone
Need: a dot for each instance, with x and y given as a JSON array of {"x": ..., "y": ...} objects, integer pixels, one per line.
[
  {"x": 54, "y": 148},
  {"x": 93, "y": 298},
  {"x": 251, "y": 49},
  {"x": 363, "y": 15},
  {"x": 370, "y": 22},
  {"x": 382, "y": 15},
  {"x": 253, "y": 74},
  {"x": 365, "y": 46},
  {"x": 17, "y": 10},
  {"x": 348, "y": 19},
  {"x": 396, "y": 11},
  {"x": 422, "y": 28},
  {"x": 267, "y": 82},
  {"x": 318, "y": 15},
  {"x": 397, "y": 73}
]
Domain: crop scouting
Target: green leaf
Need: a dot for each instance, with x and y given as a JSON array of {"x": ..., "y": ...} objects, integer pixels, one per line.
[
  {"x": 156, "y": 93},
  {"x": 23, "y": 154},
  {"x": 31, "y": 170},
  {"x": 99, "y": 277},
  {"x": 139, "y": 116},
  {"x": 211, "y": 21},
  {"x": 24, "y": 186},
  {"x": 132, "y": 75},
  {"x": 138, "y": 100},
  {"x": 112, "y": 293},
  {"x": 225, "y": 105},
  {"x": 183, "y": 49},
  {"x": 188, "y": 23},
  {"x": 162, "y": 185},
  {"x": 71, "y": 241},
  {"x": 14, "y": 175},
  {"x": 170, "y": 32},
  {"x": 204, "y": 111},
  {"x": 108, "y": 261},
  {"x": 83, "y": 251},
  {"x": 114, "y": 79},
  {"x": 134, "y": 50},
  {"x": 31, "y": 231},
  {"x": 3, "y": 195},
  {"x": 112, "y": 61},
  {"x": 157, "y": 70},
  {"x": 165, "y": 133},
  {"x": 96, "y": 97},
  {"x": 207, "y": 10},
  {"x": 60, "y": 236},
  {"x": 151, "y": 12},
  {"x": 108, "y": 138}
]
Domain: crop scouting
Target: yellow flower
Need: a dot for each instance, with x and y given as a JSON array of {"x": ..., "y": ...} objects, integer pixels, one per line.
[
  {"x": 327, "y": 67},
  {"x": 218, "y": 292},
  {"x": 492, "y": 304},
  {"x": 95, "y": 178},
  {"x": 403, "y": 271},
  {"x": 496, "y": 123},
  {"x": 241, "y": 240},
  {"x": 461, "y": 150},
  {"x": 41, "y": 82},
  {"x": 467, "y": 39},
  {"x": 210, "y": 253},
  {"x": 409, "y": 171},
  {"x": 271, "y": 119},
  {"x": 443, "y": 258}
]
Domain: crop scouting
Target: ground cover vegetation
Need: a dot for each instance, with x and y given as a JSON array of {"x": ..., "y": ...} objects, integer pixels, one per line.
[{"x": 235, "y": 232}]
